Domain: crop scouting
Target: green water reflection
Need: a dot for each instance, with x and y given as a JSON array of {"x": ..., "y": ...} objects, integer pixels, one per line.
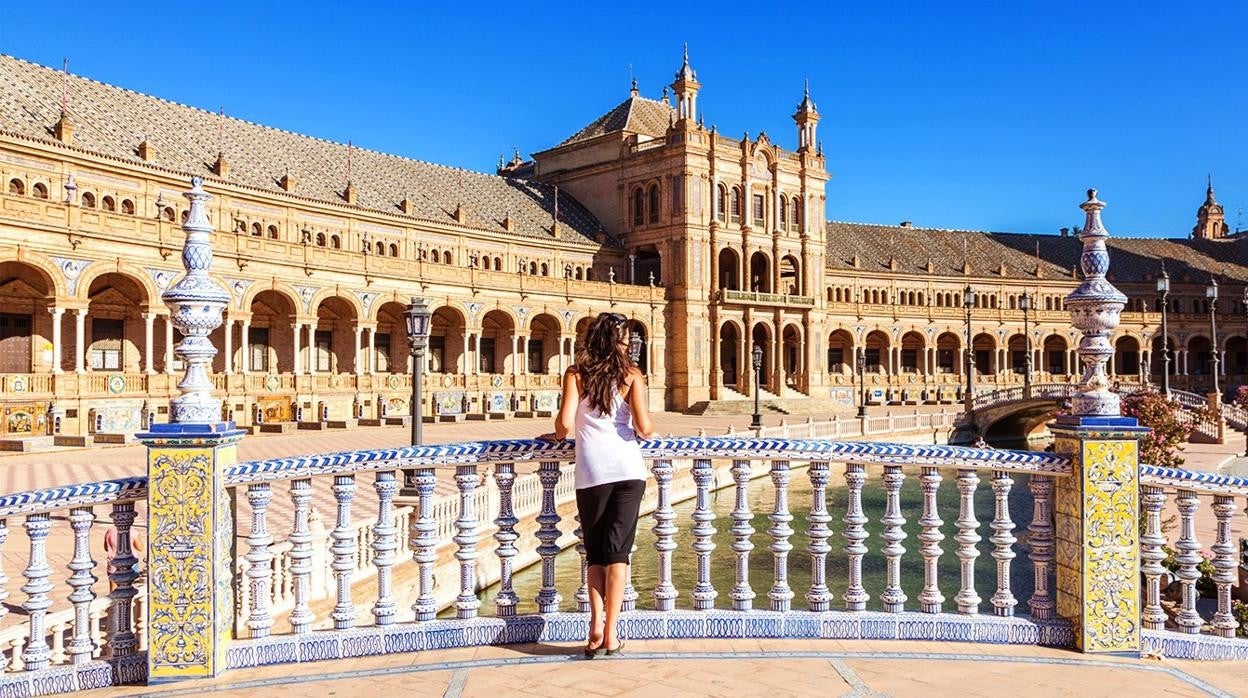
[{"x": 762, "y": 498}]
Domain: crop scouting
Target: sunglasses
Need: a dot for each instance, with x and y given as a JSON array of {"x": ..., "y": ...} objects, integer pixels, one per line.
[{"x": 616, "y": 318}]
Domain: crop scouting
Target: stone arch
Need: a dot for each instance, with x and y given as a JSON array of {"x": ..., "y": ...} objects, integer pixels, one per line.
[
  {"x": 114, "y": 329},
  {"x": 731, "y": 353},
  {"x": 357, "y": 308},
  {"x": 287, "y": 293},
  {"x": 1054, "y": 356},
  {"x": 334, "y": 334},
  {"x": 841, "y": 351},
  {"x": 496, "y": 342},
  {"x": 984, "y": 349},
  {"x": 913, "y": 354},
  {"x": 790, "y": 275},
  {"x": 729, "y": 269},
  {"x": 948, "y": 347},
  {"x": 760, "y": 272},
  {"x": 26, "y": 293},
  {"x": 1126, "y": 356},
  {"x": 791, "y": 357},
  {"x": 875, "y": 347},
  {"x": 48, "y": 271},
  {"x": 761, "y": 334},
  {"x": 543, "y": 350},
  {"x": 447, "y": 353},
  {"x": 273, "y": 312},
  {"x": 391, "y": 348},
  {"x": 140, "y": 277}
]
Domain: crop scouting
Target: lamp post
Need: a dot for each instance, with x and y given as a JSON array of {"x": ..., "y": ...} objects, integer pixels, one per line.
[
  {"x": 968, "y": 302},
  {"x": 862, "y": 384},
  {"x": 417, "y": 317},
  {"x": 1024, "y": 303},
  {"x": 1163, "y": 292},
  {"x": 757, "y": 356},
  {"x": 1211, "y": 292}
]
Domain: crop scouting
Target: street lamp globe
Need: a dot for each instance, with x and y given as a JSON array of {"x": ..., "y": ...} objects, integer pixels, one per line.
[
  {"x": 968, "y": 297},
  {"x": 634, "y": 348},
  {"x": 758, "y": 357},
  {"x": 1211, "y": 291},
  {"x": 1163, "y": 282},
  {"x": 1024, "y": 302},
  {"x": 417, "y": 318}
]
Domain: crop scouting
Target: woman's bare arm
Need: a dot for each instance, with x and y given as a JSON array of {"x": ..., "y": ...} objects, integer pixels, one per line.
[
  {"x": 565, "y": 420},
  {"x": 639, "y": 403}
]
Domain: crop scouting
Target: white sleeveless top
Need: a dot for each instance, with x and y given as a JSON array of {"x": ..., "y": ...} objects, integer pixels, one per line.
[{"x": 607, "y": 449}]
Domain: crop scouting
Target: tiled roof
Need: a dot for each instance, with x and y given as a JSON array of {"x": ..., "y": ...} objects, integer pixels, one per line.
[
  {"x": 112, "y": 121},
  {"x": 1131, "y": 259},
  {"x": 634, "y": 115}
]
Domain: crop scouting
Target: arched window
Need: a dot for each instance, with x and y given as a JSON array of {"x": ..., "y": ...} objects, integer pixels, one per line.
[
  {"x": 39, "y": 191},
  {"x": 320, "y": 239},
  {"x": 381, "y": 247},
  {"x": 167, "y": 213},
  {"x": 734, "y": 203},
  {"x": 579, "y": 274},
  {"x": 654, "y": 203},
  {"x": 795, "y": 216},
  {"x": 127, "y": 207},
  {"x": 272, "y": 232},
  {"x": 335, "y": 242},
  {"x": 589, "y": 273},
  {"x": 545, "y": 269},
  {"x": 639, "y": 203},
  {"x": 255, "y": 230},
  {"x": 498, "y": 264},
  {"x": 446, "y": 257},
  {"x": 721, "y": 203},
  {"x": 88, "y": 199},
  {"x": 109, "y": 204},
  {"x": 16, "y": 187},
  {"x": 784, "y": 211},
  {"x": 532, "y": 268},
  {"x": 185, "y": 215},
  {"x": 394, "y": 249}
]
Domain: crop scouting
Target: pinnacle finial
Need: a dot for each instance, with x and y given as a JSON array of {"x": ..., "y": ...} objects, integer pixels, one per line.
[
  {"x": 806, "y": 89},
  {"x": 686, "y": 71}
]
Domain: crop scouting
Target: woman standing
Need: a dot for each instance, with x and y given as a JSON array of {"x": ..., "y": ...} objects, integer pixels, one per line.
[{"x": 604, "y": 408}]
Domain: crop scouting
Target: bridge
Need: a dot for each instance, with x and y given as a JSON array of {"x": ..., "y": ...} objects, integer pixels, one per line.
[
  {"x": 1026, "y": 411},
  {"x": 1068, "y": 549}
]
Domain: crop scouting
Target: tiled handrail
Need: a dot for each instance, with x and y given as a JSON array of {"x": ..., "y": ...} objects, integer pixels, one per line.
[{"x": 715, "y": 447}]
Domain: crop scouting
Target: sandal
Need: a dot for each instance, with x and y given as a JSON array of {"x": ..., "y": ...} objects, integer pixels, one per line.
[{"x": 619, "y": 649}]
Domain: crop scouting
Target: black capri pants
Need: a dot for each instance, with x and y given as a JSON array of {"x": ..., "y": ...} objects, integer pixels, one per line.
[{"x": 609, "y": 520}]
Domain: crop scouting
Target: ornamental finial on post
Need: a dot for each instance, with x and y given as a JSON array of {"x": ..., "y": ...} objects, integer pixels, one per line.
[
  {"x": 1095, "y": 308},
  {"x": 196, "y": 304}
]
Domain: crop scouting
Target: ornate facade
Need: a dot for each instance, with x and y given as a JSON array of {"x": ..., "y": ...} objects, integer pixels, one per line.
[{"x": 710, "y": 243}]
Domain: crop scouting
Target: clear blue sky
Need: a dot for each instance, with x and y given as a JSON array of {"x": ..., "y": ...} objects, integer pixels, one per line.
[{"x": 961, "y": 115}]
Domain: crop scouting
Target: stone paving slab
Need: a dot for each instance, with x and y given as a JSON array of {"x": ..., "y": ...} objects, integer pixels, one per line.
[{"x": 733, "y": 669}]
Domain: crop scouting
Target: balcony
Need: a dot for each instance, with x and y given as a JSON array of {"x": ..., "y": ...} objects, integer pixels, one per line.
[{"x": 758, "y": 298}]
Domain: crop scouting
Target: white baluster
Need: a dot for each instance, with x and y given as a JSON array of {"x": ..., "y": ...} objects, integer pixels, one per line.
[
  {"x": 1225, "y": 574},
  {"x": 893, "y": 597},
  {"x": 930, "y": 599},
  {"x": 260, "y": 559},
  {"x": 1188, "y": 619},
  {"x": 966, "y": 598},
  {"x": 855, "y": 536},
  {"x": 1003, "y": 601},
  {"x": 664, "y": 535},
  {"x": 582, "y": 591},
  {"x": 425, "y": 543},
  {"x": 15, "y": 660},
  {"x": 742, "y": 595},
  {"x": 780, "y": 531},
  {"x": 385, "y": 546},
  {"x": 121, "y": 637},
  {"x": 630, "y": 592},
  {"x": 81, "y": 580},
  {"x": 818, "y": 598},
  {"x": 466, "y": 538},
  {"x": 343, "y": 549},
  {"x": 505, "y": 600},
  {"x": 57, "y": 633},
  {"x": 1041, "y": 540},
  {"x": 37, "y": 654},
  {"x": 301, "y": 555},
  {"x": 548, "y": 597},
  {"x": 703, "y": 535}
]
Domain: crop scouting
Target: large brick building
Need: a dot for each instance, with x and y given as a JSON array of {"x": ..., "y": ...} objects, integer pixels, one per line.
[{"x": 710, "y": 243}]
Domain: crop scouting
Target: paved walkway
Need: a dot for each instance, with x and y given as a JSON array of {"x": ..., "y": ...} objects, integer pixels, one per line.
[{"x": 733, "y": 669}]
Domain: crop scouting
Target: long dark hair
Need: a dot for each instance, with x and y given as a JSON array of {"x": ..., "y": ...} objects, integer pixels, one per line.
[{"x": 603, "y": 361}]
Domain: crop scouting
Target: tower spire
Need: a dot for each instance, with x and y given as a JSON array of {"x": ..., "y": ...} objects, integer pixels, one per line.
[
  {"x": 1210, "y": 217},
  {"x": 807, "y": 118},
  {"x": 686, "y": 88}
]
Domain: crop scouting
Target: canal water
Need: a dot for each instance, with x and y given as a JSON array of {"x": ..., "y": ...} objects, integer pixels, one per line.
[{"x": 762, "y": 497}]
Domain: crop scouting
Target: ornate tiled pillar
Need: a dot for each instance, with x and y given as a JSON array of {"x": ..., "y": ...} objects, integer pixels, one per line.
[
  {"x": 1096, "y": 509},
  {"x": 190, "y": 607}
]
